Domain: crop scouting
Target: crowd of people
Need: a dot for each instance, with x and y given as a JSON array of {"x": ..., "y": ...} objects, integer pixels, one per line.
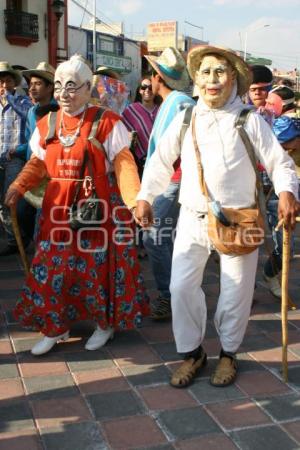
[{"x": 177, "y": 169}]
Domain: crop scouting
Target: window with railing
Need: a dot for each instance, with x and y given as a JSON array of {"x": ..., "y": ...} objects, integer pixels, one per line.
[{"x": 21, "y": 27}]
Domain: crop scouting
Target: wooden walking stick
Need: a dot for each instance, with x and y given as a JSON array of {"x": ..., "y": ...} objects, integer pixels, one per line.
[
  {"x": 286, "y": 250},
  {"x": 15, "y": 225}
]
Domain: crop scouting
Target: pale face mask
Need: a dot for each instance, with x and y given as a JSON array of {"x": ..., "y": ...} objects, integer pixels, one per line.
[
  {"x": 70, "y": 92},
  {"x": 215, "y": 80}
]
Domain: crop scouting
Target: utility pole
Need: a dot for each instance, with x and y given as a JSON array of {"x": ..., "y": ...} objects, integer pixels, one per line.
[{"x": 94, "y": 39}]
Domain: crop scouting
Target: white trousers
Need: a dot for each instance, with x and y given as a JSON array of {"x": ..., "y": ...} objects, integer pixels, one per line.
[{"x": 237, "y": 281}]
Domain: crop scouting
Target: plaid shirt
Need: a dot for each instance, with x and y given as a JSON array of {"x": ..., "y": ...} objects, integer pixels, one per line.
[{"x": 12, "y": 122}]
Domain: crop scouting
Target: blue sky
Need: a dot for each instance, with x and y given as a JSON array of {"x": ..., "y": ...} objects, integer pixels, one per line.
[{"x": 224, "y": 22}]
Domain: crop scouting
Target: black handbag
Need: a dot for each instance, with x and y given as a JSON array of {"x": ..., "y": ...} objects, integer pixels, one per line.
[{"x": 86, "y": 213}]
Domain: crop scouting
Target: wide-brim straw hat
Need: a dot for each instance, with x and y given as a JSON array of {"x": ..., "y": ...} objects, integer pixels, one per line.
[
  {"x": 243, "y": 70},
  {"x": 43, "y": 70},
  {"x": 6, "y": 68},
  {"x": 106, "y": 71},
  {"x": 171, "y": 67}
]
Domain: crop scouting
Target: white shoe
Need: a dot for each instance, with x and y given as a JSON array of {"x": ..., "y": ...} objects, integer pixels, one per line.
[
  {"x": 45, "y": 345},
  {"x": 273, "y": 285},
  {"x": 99, "y": 338}
]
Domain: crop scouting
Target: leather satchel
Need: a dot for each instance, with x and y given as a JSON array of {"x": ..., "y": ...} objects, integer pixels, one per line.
[
  {"x": 86, "y": 213},
  {"x": 232, "y": 231}
]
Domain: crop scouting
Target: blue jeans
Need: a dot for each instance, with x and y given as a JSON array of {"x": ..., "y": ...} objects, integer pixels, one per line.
[
  {"x": 158, "y": 241},
  {"x": 9, "y": 170},
  {"x": 273, "y": 265}
]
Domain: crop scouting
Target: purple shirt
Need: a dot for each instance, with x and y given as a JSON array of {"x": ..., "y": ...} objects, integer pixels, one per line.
[{"x": 137, "y": 118}]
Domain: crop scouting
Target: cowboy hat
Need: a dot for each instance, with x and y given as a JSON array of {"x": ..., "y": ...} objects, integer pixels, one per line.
[
  {"x": 43, "y": 70},
  {"x": 6, "y": 68},
  {"x": 103, "y": 70},
  {"x": 244, "y": 74},
  {"x": 171, "y": 67}
]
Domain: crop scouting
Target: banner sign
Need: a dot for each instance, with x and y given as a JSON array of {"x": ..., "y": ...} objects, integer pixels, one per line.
[{"x": 161, "y": 35}]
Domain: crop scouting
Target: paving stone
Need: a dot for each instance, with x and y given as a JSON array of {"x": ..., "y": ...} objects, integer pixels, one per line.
[
  {"x": 207, "y": 442},
  {"x": 294, "y": 376},
  {"x": 115, "y": 404},
  {"x": 188, "y": 422},
  {"x": 238, "y": 414},
  {"x": 247, "y": 364},
  {"x": 128, "y": 338},
  {"x": 148, "y": 374},
  {"x": 97, "y": 359},
  {"x": 159, "y": 447},
  {"x": 47, "y": 387},
  {"x": 30, "y": 365},
  {"x": 163, "y": 398},
  {"x": 79, "y": 436},
  {"x": 9, "y": 317},
  {"x": 273, "y": 357},
  {"x": 25, "y": 345},
  {"x": 167, "y": 351},
  {"x": 256, "y": 342},
  {"x": 157, "y": 333},
  {"x": 16, "y": 332},
  {"x": 11, "y": 389},
  {"x": 133, "y": 432},
  {"x": 53, "y": 413},
  {"x": 293, "y": 428},
  {"x": 3, "y": 333},
  {"x": 206, "y": 393},
  {"x": 261, "y": 383},
  {"x": 101, "y": 381},
  {"x": 140, "y": 354},
  {"x": 8, "y": 368},
  {"x": 283, "y": 407},
  {"x": 20, "y": 440},
  {"x": 15, "y": 416},
  {"x": 265, "y": 438}
]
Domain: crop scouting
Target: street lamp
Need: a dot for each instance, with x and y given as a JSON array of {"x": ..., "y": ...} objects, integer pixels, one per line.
[
  {"x": 246, "y": 38},
  {"x": 58, "y": 7},
  {"x": 196, "y": 26}
]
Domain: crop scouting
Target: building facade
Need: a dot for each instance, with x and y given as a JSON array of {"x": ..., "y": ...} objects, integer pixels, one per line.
[
  {"x": 116, "y": 52},
  {"x": 32, "y": 31}
]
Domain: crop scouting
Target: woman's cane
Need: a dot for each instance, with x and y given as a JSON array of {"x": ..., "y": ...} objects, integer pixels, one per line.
[{"x": 15, "y": 225}]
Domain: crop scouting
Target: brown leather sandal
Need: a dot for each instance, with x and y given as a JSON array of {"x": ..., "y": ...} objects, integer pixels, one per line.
[
  {"x": 225, "y": 372},
  {"x": 189, "y": 369}
]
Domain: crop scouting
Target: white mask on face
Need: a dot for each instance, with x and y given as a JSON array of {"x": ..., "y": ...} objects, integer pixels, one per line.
[
  {"x": 72, "y": 84},
  {"x": 215, "y": 80}
]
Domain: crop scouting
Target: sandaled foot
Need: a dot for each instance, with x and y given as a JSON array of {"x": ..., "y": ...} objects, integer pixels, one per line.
[
  {"x": 225, "y": 372},
  {"x": 187, "y": 372},
  {"x": 161, "y": 309}
]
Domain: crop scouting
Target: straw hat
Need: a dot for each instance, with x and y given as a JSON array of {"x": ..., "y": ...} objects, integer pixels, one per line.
[
  {"x": 171, "y": 66},
  {"x": 43, "y": 70},
  {"x": 244, "y": 74},
  {"x": 5, "y": 67},
  {"x": 104, "y": 70}
]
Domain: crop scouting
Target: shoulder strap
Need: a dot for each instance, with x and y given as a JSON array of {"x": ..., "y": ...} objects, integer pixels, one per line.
[
  {"x": 239, "y": 125},
  {"x": 186, "y": 122},
  {"x": 92, "y": 136},
  {"x": 51, "y": 126}
]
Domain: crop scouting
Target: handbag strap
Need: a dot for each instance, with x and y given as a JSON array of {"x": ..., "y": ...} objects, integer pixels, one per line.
[
  {"x": 81, "y": 173},
  {"x": 250, "y": 151},
  {"x": 198, "y": 158},
  {"x": 239, "y": 125}
]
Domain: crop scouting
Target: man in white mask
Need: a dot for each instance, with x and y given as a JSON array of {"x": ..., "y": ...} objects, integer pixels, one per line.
[{"x": 221, "y": 77}]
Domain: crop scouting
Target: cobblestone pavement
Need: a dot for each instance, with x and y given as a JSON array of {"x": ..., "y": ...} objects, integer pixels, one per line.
[{"x": 119, "y": 397}]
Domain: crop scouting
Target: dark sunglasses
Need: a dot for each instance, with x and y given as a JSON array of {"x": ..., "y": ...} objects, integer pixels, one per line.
[{"x": 146, "y": 86}]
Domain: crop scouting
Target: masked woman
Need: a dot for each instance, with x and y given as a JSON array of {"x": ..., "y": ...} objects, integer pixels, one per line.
[{"x": 90, "y": 272}]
